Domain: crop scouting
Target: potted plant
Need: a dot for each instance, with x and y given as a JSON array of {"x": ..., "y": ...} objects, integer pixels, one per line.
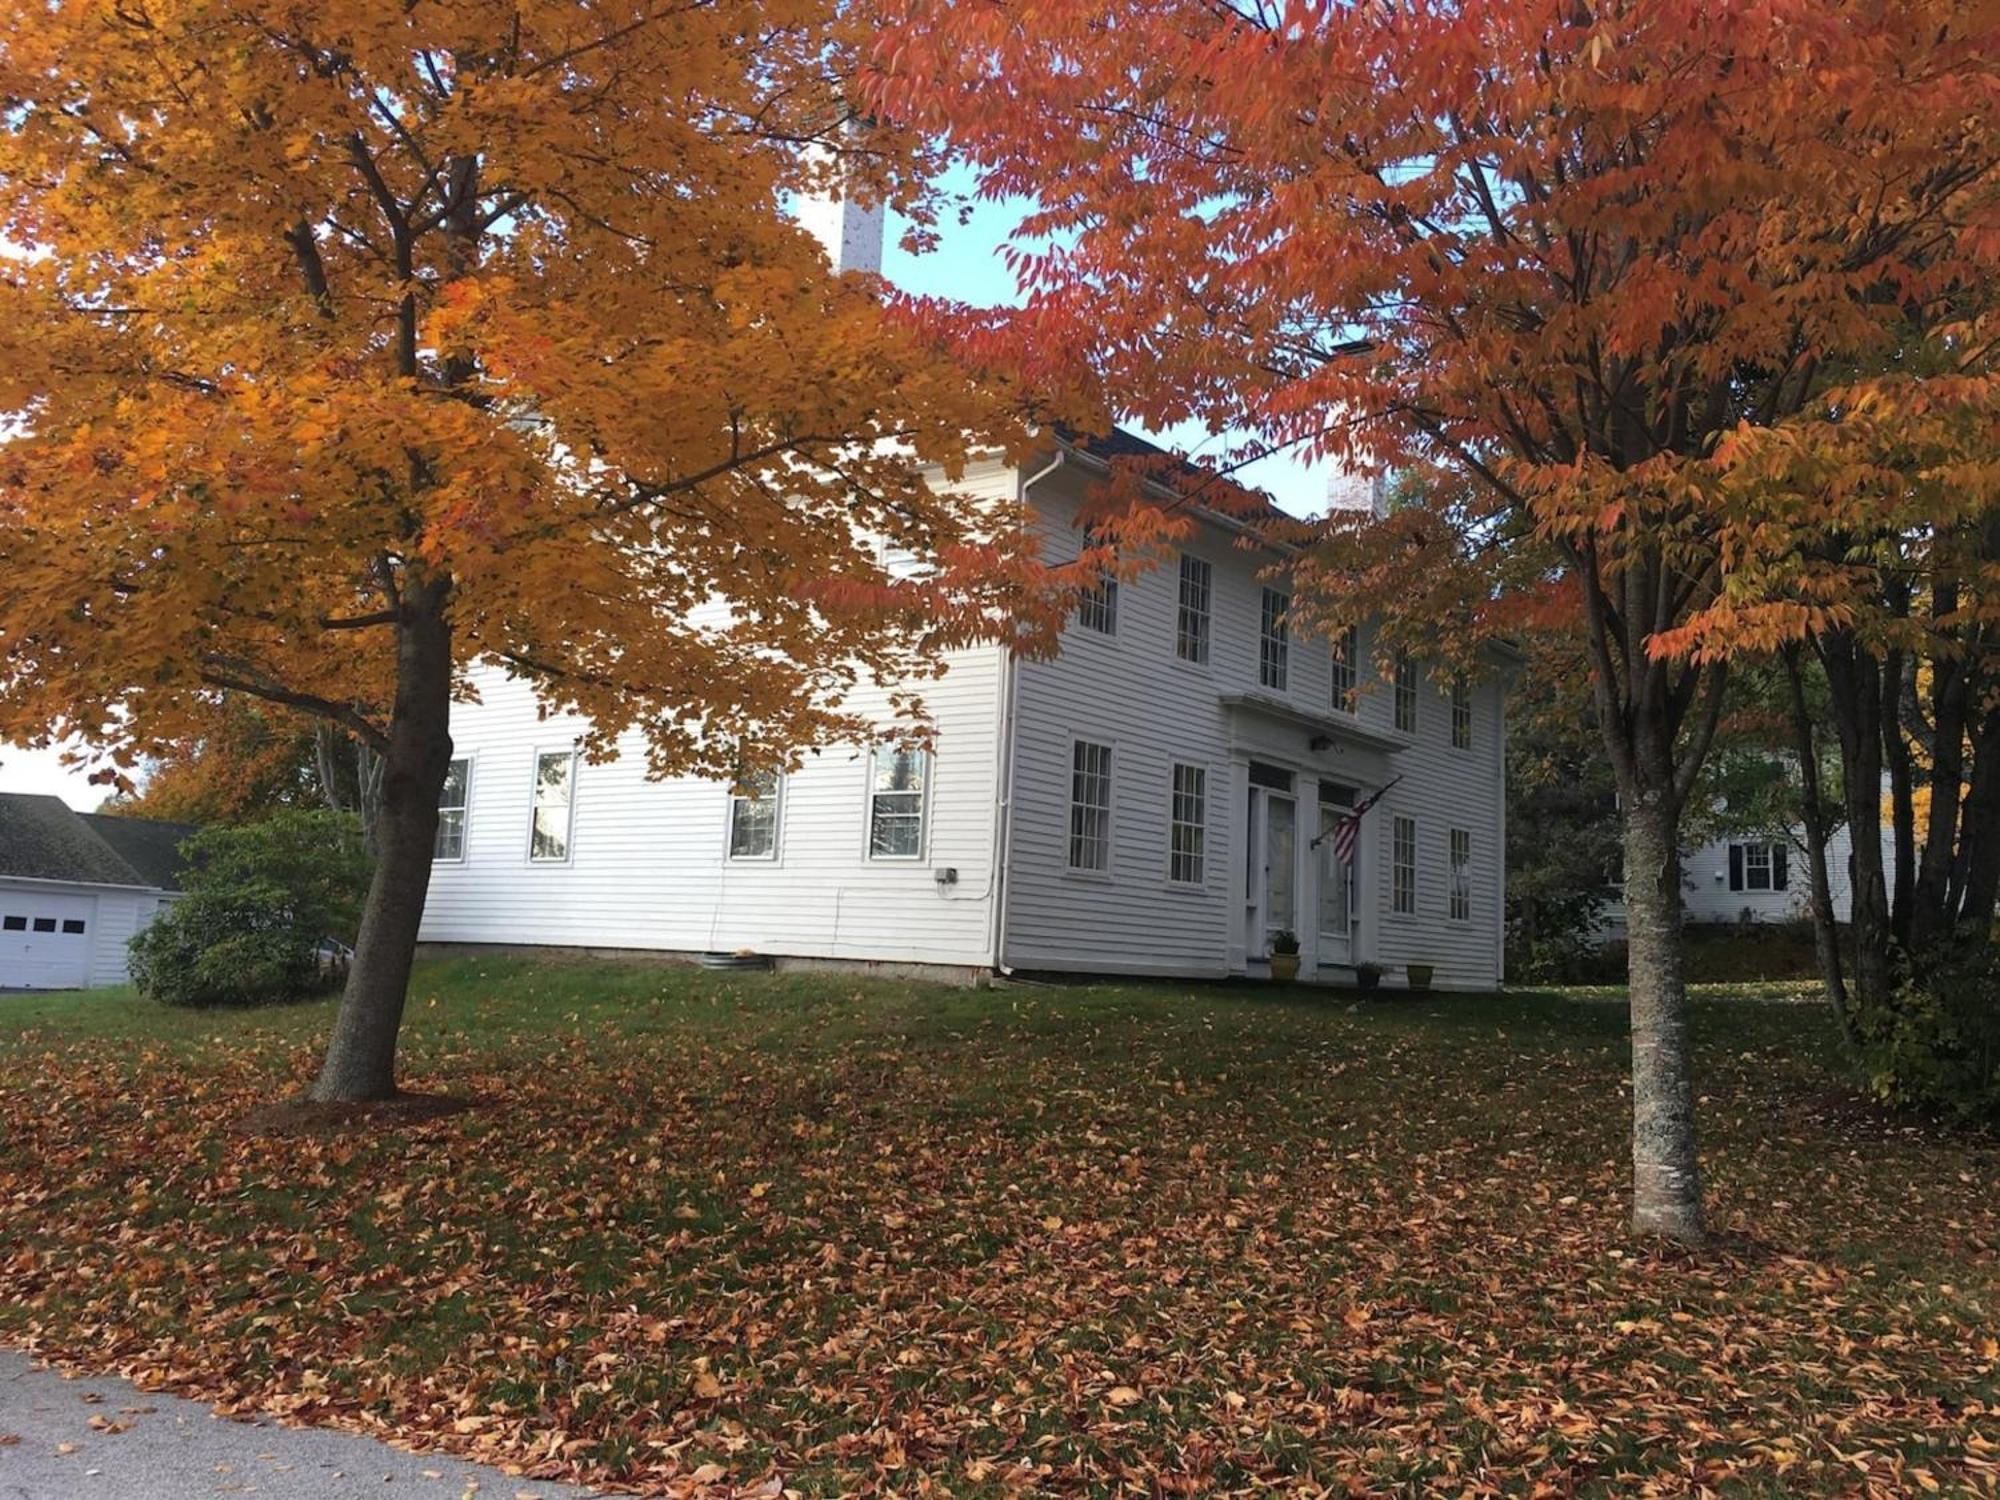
[
  {"x": 1284, "y": 956},
  {"x": 1420, "y": 975},
  {"x": 1367, "y": 975}
]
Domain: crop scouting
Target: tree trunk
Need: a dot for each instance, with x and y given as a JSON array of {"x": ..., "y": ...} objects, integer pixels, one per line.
[
  {"x": 1666, "y": 1177},
  {"x": 1854, "y": 692},
  {"x": 1826, "y": 931},
  {"x": 361, "y": 1058}
]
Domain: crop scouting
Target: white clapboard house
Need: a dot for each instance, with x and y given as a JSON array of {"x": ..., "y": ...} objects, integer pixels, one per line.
[{"x": 1157, "y": 799}]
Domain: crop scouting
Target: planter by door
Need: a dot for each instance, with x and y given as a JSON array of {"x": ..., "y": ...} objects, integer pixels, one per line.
[
  {"x": 1420, "y": 976},
  {"x": 1284, "y": 967}
]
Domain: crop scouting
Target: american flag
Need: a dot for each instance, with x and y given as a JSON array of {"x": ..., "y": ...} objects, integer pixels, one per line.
[{"x": 1348, "y": 829}]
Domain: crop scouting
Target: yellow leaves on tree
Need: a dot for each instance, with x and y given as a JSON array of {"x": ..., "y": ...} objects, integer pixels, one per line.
[{"x": 348, "y": 343}]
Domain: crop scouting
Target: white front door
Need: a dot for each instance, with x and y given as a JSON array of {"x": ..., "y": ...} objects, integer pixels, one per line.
[
  {"x": 45, "y": 940},
  {"x": 1337, "y": 905}
]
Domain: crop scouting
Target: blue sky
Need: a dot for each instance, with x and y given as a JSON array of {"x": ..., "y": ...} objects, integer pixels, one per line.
[{"x": 968, "y": 266}]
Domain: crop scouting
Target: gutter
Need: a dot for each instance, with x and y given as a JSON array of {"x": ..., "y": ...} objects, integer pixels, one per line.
[
  {"x": 87, "y": 885},
  {"x": 1003, "y": 753}
]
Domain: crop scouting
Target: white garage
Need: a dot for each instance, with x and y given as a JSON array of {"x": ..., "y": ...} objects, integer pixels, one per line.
[{"x": 75, "y": 888}]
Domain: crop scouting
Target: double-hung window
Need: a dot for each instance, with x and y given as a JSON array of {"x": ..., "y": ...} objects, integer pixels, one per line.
[
  {"x": 1759, "y": 867},
  {"x": 1406, "y": 693},
  {"x": 452, "y": 802},
  {"x": 1191, "y": 630},
  {"x": 1461, "y": 875},
  {"x": 1403, "y": 867},
  {"x": 898, "y": 786},
  {"x": 1274, "y": 640},
  {"x": 1346, "y": 656},
  {"x": 1461, "y": 714},
  {"x": 1090, "y": 807},
  {"x": 554, "y": 805},
  {"x": 1187, "y": 826},
  {"x": 753, "y": 816},
  {"x": 1097, "y": 605}
]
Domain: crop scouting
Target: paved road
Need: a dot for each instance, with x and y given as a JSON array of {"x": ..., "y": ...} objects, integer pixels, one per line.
[{"x": 171, "y": 1449}]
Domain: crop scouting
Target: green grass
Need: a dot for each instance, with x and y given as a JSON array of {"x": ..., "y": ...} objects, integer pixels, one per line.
[{"x": 1097, "y": 1238}]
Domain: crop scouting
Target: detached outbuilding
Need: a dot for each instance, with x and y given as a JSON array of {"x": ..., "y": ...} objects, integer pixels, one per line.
[{"x": 74, "y": 889}]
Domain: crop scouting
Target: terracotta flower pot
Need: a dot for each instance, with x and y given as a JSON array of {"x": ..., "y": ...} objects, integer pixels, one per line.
[{"x": 1284, "y": 967}]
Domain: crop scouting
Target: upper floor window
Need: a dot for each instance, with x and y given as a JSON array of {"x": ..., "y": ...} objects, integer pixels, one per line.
[
  {"x": 554, "y": 802},
  {"x": 898, "y": 783},
  {"x": 1187, "y": 827},
  {"x": 1090, "y": 807},
  {"x": 1097, "y": 606},
  {"x": 1461, "y": 714},
  {"x": 1461, "y": 875},
  {"x": 753, "y": 816},
  {"x": 1274, "y": 640},
  {"x": 1191, "y": 630},
  {"x": 1759, "y": 867},
  {"x": 1403, "y": 867},
  {"x": 1406, "y": 693},
  {"x": 1346, "y": 656},
  {"x": 452, "y": 799}
]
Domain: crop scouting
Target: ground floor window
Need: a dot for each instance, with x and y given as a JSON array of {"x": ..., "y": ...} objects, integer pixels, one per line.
[
  {"x": 1403, "y": 867},
  {"x": 1188, "y": 826},
  {"x": 753, "y": 816},
  {"x": 549, "y": 834},
  {"x": 1759, "y": 867},
  {"x": 451, "y": 811},
  {"x": 1461, "y": 875},
  {"x": 898, "y": 781},
  {"x": 1090, "y": 807}
]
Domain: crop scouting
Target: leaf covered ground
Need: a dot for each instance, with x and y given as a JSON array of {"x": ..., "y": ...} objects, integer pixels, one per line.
[{"x": 757, "y": 1232}]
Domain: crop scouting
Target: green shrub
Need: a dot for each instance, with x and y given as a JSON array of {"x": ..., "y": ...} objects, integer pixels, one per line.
[
  {"x": 1937, "y": 1045},
  {"x": 260, "y": 901}
]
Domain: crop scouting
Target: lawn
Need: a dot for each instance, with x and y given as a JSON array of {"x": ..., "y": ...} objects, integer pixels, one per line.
[{"x": 847, "y": 1236}]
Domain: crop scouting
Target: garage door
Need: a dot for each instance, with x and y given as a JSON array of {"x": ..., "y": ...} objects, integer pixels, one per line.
[{"x": 45, "y": 941}]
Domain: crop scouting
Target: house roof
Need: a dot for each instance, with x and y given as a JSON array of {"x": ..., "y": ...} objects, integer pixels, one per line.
[
  {"x": 42, "y": 839},
  {"x": 148, "y": 845}
]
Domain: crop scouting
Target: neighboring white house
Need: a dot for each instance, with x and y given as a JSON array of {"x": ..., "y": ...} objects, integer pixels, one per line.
[
  {"x": 1753, "y": 878},
  {"x": 75, "y": 888},
  {"x": 1151, "y": 800}
]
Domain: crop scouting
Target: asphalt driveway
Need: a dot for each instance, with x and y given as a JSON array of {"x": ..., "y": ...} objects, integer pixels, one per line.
[{"x": 101, "y": 1438}]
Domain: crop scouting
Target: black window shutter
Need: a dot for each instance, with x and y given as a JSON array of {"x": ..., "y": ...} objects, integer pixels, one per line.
[
  {"x": 1780, "y": 858},
  {"x": 1736, "y": 867}
]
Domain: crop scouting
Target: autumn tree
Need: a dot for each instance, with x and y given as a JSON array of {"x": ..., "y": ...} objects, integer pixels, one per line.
[
  {"x": 347, "y": 344},
  {"x": 1578, "y": 249}
]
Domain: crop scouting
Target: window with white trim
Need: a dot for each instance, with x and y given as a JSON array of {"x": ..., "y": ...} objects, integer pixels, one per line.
[
  {"x": 1759, "y": 867},
  {"x": 1346, "y": 656},
  {"x": 1461, "y": 713},
  {"x": 554, "y": 802},
  {"x": 753, "y": 815},
  {"x": 1274, "y": 639},
  {"x": 898, "y": 785},
  {"x": 1461, "y": 875},
  {"x": 1191, "y": 629},
  {"x": 1403, "y": 867},
  {"x": 1406, "y": 693},
  {"x": 452, "y": 800},
  {"x": 1187, "y": 826},
  {"x": 1097, "y": 607},
  {"x": 1090, "y": 806}
]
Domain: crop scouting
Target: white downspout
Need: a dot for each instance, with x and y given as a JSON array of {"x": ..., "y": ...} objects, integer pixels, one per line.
[{"x": 1003, "y": 768}]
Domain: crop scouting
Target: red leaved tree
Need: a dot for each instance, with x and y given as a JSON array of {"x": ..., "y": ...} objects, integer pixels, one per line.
[{"x": 1578, "y": 250}]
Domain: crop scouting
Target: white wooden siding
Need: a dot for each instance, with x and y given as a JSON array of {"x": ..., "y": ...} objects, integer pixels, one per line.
[
  {"x": 648, "y": 865},
  {"x": 1132, "y": 692}
]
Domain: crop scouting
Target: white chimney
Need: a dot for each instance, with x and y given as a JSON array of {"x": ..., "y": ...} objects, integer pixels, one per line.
[
  {"x": 851, "y": 232},
  {"x": 1347, "y": 489}
]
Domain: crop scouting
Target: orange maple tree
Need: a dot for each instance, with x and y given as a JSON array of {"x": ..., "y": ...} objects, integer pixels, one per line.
[
  {"x": 347, "y": 344},
  {"x": 1623, "y": 262}
]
